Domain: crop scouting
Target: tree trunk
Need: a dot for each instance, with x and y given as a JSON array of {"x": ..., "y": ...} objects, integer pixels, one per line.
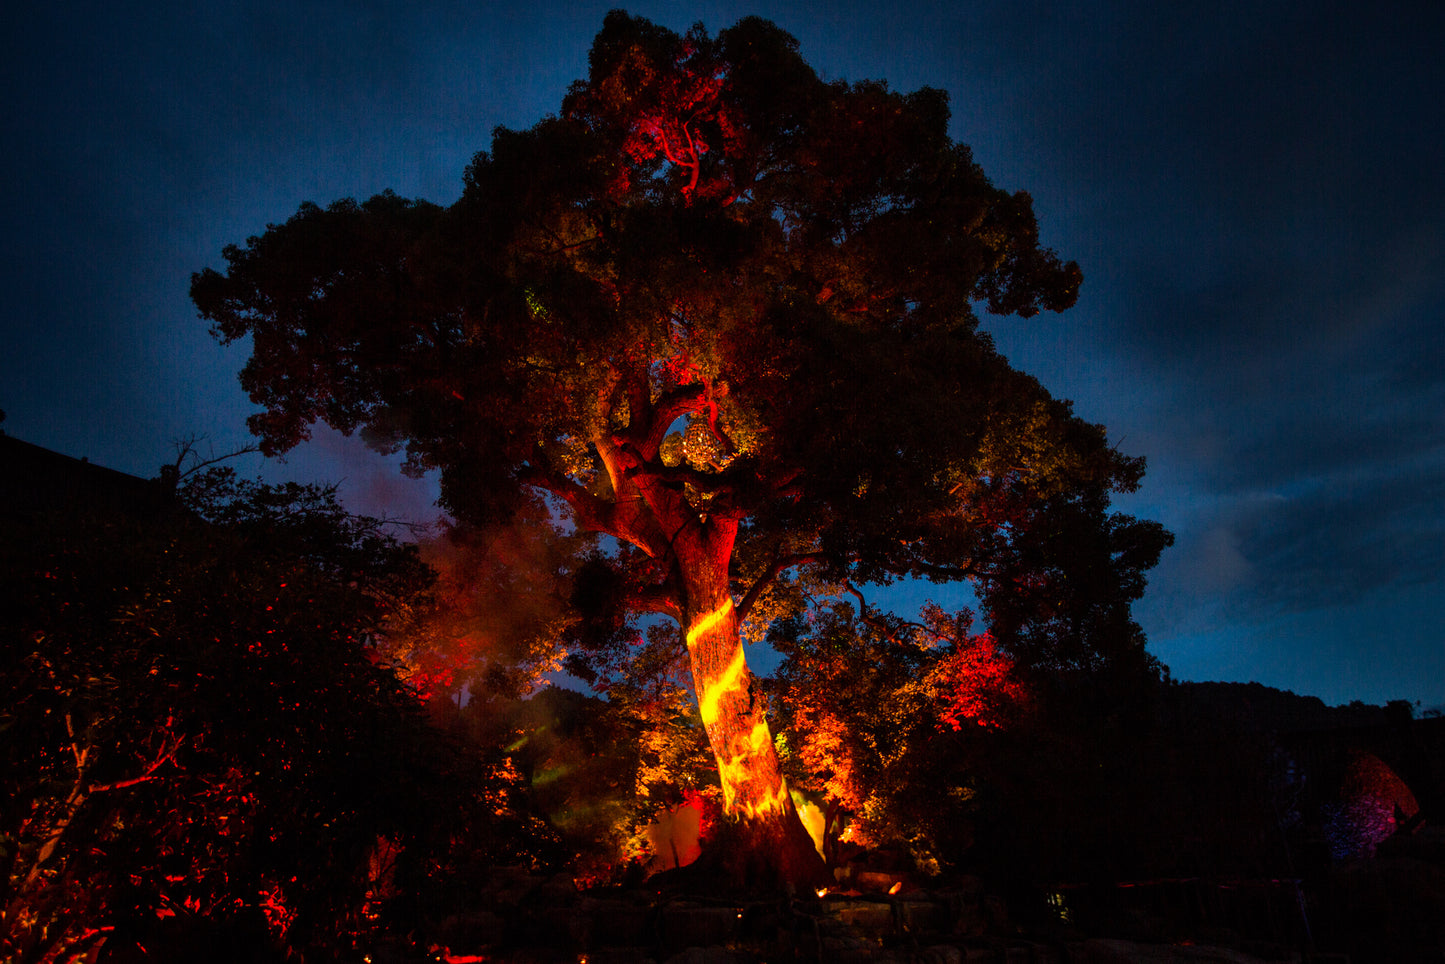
[{"x": 777, "y": 848}]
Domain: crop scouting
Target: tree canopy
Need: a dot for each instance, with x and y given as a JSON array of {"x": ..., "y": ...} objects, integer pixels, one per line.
[
  {"x": 199, "y": 739},
  {"x": 718, "y": 309}
]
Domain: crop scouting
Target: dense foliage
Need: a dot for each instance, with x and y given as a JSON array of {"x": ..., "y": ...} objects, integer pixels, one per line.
[
  {"x": 724, "y": 312},
  {"x": 883, "y": 722},
  {"x": 199, "y": 741}
]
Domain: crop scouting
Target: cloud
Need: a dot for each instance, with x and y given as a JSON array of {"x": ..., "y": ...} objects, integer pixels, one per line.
[
  {"x": 1326, "y": 542},
  {"x": 1348, "y": 536}
]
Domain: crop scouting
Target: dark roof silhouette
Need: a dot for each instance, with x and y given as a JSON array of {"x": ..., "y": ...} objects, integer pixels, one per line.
[{"x": 36, "y": 481}]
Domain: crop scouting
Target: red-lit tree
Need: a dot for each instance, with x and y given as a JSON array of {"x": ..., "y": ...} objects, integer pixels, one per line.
[
  {"x": 718, "y": 309},
  {"x": 199, "y": 744},
  {"x": 882, "y": 717}
]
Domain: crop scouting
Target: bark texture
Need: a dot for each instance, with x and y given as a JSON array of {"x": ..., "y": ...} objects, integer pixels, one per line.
[{"x": 771, "y": 845}]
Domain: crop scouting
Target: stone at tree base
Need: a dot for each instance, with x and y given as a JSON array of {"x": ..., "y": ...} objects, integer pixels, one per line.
[
  {"x": 617, "y": 923},
  {"x": 970, "y": 921},
  {"x": 559, "y": 888},
  {"x": 871, "y": 920},
  {"x": 877, "y": 882},
  {"x": 1046, "y": 954},
  {"x": 921, "y": 914},
  {"x": 561, "y": 927},
  {"x": 508, "y": 885},
  {"x": 995, "y": 910}
]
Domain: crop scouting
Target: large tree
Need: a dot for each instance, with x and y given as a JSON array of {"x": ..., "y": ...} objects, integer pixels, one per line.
[{"x": 718, "y": 309}]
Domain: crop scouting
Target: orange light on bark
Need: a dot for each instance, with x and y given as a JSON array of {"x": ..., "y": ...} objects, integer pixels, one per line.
[
  {"x": 740, "y": 769},
  {"x": 730, "y": 681},
  {"x": 746, "y": 753},
  {"x": 708, "y": 622}
]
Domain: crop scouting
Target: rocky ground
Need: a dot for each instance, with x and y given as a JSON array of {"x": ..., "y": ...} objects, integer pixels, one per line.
[
  {"x": 530, "y": 920},
  {"x": 1385, "y": 910}
]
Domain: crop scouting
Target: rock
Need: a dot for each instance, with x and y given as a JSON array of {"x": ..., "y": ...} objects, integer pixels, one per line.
[
  {"x": 617, "y": 923},
  {"x": 1018, "y": 953},
  {"x": 875, "y": 882},
  {"x": 1046, "y": 954},
  {"x": 509, "y": 885},
  {"x": 995, "y": 910},
  {"x": 869, "y": 919},
  {"x": 920, "y": 915},
  {"x": 478, "y": 929},
  {"x": 557, "y": 889},
  {"x": 619, "y": 955},
  {"x": 968, "y": 920}
]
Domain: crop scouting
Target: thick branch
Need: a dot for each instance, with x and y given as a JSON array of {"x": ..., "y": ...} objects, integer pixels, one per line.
[
  {"x": 640, "y": 413},
  {"x": 677, "y": 476},
  {"x": 657, "y": 599},
  {"x": 625, "y": 518},
  {"x": 666, "y": 410},
  {"x": 953, "y": 573}
]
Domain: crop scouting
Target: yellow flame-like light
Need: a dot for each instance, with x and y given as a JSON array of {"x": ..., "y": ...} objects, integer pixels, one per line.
[
  {"x": 739, "y": 767},
  {"x": 730, "y": 680},
  {"x": 774, "y": 802},
  {"x": 709, "y": 621}
]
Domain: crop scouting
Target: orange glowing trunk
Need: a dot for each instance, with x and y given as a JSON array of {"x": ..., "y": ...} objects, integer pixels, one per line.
[{"x": 733, "y": 711}]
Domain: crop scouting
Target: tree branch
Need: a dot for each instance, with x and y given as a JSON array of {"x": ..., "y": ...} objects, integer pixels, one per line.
[
  {"x": 887, "y": 630},
  {"x": 677, "y": 476},
  {"x": 186, "y": 451},
  {"x": 666, "y": 410},
  {"x": 657, "y": 600},
  {"x": 166, "y": 754},
  {"x": 623, "y": 517},
  {"x": 777, "y": 567}
]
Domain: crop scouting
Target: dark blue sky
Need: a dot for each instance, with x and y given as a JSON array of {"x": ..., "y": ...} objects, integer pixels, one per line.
[{"x": 1254, "y": 192}]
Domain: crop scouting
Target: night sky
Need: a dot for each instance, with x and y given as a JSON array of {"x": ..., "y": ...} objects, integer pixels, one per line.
[{"x": 1254, "y": 193}]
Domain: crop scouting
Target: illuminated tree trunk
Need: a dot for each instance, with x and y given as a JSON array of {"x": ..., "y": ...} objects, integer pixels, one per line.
[{"x": 774, "y": 842}]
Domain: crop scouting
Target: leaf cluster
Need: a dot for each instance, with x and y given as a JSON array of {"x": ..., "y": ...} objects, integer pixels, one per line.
[
  {"x": 883, "y": 723},
  {"x": 197, "y": 731}
]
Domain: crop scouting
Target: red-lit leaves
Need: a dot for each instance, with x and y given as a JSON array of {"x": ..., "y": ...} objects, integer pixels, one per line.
[
  {"x": 881, "y": 715},
  {"x": 660, "y": 96},
  {"x": 195, "y": 733}
]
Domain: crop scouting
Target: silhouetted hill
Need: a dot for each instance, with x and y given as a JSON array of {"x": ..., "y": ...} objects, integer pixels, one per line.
[
  {"x": 1320, "y": 739},
  {"x": 1261, "y": 707}
]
